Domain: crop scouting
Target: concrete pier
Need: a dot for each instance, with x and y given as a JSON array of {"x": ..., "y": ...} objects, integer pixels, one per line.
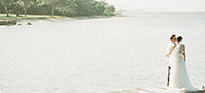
[{"x": 156, "y": 90}]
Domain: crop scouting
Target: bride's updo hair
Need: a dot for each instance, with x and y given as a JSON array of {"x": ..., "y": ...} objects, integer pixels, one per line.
[{"x": 179, "y": 38}]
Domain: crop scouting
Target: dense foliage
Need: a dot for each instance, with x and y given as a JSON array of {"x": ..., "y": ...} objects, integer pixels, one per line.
[{"x": 57, "y": 7}]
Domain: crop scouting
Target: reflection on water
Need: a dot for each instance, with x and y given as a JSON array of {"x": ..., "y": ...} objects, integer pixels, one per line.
[{"x": 97, "y": 55}]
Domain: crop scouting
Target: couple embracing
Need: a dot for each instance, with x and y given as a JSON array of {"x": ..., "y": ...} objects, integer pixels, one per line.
[{"x": 178, "y": 78}]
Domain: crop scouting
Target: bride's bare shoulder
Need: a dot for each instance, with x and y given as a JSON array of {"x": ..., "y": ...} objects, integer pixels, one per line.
[{"x": 182, "y": 45}]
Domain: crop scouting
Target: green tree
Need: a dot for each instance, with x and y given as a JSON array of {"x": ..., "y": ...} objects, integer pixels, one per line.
[
  {"x": 54, "y": 3},
  {"x": 110, "y": 8},
  {"x": 58, "y": 7},
  {"x": 5, "y": 3},
  {"x": 65, "y": 6},
  {"x": 100, "y": 6},
  {"x": 24, "y": 4}
]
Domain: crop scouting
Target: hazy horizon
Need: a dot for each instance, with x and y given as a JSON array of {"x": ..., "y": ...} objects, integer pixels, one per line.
[{"x": 159, "y": 5}]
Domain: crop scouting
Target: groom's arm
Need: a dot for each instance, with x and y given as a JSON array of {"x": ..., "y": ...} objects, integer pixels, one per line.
[
  {"x": 169, "y": 48},
  {"x": 171, "y": 51}
]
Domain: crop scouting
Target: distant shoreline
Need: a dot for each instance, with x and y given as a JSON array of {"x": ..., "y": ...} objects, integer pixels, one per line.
[
  {"x": 36, "y": 17},
  {"x": 57, "y": 18}
]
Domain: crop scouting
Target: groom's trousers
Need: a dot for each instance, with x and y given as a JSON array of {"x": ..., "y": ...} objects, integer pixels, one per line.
[{"x": 169, "y": 68}]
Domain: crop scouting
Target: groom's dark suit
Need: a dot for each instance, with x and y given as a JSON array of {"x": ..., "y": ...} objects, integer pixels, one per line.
[{"x": 169, "y": 68}]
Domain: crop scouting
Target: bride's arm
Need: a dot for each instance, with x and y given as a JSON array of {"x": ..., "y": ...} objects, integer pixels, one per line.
[
  {"x": 184, "y": 53},
  {"x": 171, "y": 51}
]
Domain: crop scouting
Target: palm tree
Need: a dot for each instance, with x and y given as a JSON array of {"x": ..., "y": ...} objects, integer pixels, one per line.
[{"x": 6, "y": 8}]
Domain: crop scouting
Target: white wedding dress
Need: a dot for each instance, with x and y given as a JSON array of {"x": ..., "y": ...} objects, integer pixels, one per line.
[{"x": 179, "y": 78}]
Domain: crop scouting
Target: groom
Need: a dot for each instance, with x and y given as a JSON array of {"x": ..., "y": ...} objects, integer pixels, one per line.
[{"x": 169, "y": 47}]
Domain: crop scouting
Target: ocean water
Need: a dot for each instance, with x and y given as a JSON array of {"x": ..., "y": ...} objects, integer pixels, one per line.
[{"x": 98, "y": 55}]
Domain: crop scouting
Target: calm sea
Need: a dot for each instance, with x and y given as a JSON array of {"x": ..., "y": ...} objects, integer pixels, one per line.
[{"x": 98, "y": 55}]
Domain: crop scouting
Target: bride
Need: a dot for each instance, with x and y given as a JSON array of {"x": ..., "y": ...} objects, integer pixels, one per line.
[{"x": 179, "y": 79}]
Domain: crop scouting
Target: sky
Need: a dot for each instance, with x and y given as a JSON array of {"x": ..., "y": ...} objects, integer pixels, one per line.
[{"x": 160, "y": 5}]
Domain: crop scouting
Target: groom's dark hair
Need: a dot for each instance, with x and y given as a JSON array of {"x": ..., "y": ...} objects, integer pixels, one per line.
[{"x": 172, "y": 36}]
